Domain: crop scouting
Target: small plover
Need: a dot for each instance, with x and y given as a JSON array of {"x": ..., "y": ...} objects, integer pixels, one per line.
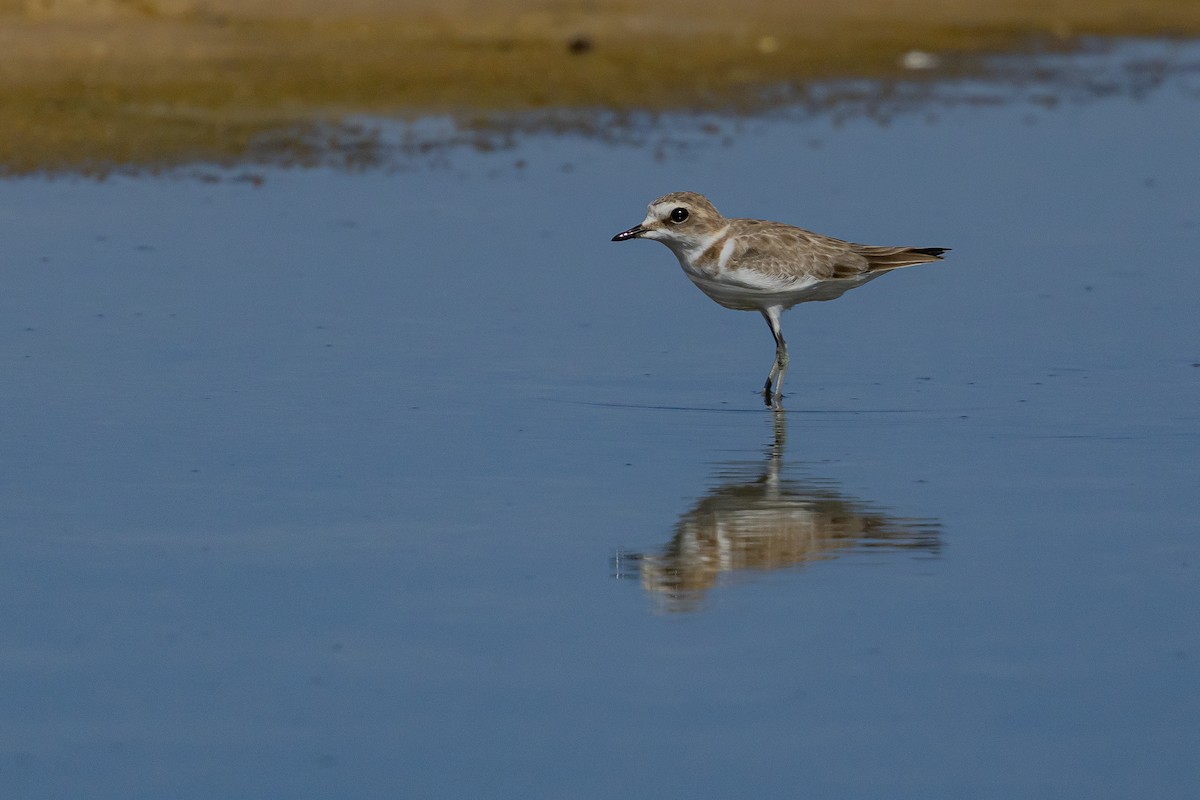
[{"x": 768, "y": 267}]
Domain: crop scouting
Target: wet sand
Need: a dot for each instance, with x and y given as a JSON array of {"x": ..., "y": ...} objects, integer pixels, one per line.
[{"x": 89, "y": 84}]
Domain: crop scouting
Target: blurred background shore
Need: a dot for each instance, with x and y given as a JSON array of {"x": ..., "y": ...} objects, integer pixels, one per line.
[{"x": 89, "y": 84}]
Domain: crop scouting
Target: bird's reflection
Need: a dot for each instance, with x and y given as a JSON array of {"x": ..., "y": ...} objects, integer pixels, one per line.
[{"x": 755, "y": 520}]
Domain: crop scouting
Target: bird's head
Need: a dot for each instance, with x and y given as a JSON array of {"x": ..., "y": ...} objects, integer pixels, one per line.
[{"x": 680, "y": 220}]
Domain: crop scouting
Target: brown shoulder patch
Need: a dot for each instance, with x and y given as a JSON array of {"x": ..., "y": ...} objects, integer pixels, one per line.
[{"x": 712, "y": 255}]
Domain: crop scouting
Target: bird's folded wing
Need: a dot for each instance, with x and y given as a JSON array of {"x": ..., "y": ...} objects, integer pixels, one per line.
[{"x": 788, "y": 253}]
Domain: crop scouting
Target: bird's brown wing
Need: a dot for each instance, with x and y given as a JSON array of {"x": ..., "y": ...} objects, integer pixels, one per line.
[
  {"x": 785, "y": 251},
  {"x": 790, "y": 252}
]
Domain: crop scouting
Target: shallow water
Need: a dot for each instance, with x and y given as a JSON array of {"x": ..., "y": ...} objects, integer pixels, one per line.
[{"x": 411, "y": 483}]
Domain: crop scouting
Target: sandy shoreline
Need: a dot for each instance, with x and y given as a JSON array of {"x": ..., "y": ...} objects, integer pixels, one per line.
[{"x": 91, "y": 83}]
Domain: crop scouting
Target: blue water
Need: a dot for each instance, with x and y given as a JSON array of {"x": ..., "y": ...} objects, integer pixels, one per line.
[{"x": 412, "y": 484}]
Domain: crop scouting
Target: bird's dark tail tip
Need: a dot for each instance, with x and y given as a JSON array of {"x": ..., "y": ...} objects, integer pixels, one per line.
[{"x": 936, "y": 252}]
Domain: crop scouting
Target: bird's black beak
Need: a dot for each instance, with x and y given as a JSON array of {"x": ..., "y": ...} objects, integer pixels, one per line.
[{"x": 632, "y": 233}]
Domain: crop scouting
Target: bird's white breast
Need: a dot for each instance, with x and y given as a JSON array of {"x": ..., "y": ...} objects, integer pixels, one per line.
[{"x": 746, "y": 290}]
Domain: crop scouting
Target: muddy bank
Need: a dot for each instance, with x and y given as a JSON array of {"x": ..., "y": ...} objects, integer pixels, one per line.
[{"x": 89, "y": 84}]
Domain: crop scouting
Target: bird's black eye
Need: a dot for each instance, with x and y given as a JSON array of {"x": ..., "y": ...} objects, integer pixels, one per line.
[{"x": 679, "y": 215}]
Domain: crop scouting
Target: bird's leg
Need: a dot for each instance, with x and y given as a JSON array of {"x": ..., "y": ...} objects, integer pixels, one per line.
[
  {"x": 779, "y": 368},
  {"x": 781, "y": 365}
]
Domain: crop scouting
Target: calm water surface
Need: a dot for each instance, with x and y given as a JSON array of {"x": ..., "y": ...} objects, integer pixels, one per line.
[{"x": 412, "y": 484}]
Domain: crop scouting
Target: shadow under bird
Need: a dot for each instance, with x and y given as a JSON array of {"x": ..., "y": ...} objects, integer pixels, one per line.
[{"x": 768, "y": 267}]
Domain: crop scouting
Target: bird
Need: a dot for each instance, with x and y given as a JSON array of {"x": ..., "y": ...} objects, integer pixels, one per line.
[{"x": 768, "y": 267}]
